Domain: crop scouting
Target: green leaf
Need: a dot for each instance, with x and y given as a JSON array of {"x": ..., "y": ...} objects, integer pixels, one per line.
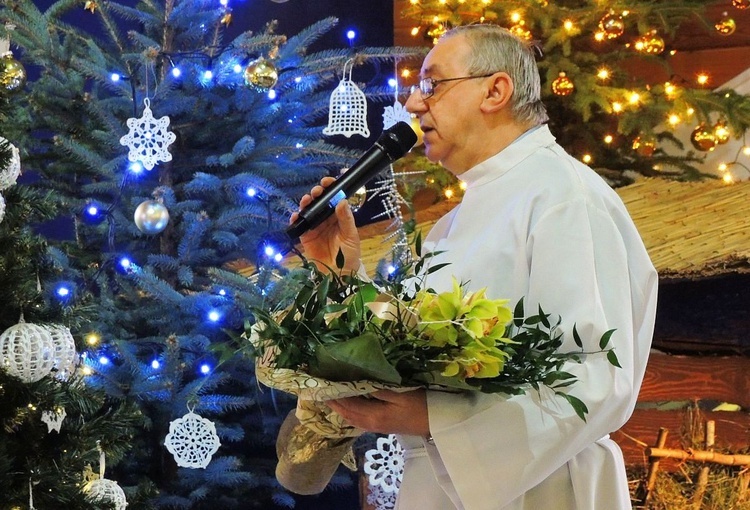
[
  {"x": 418, "y": 244},
  {"x": 605, "y": 339},
  {"x": 577, "y": 337},
  {"x": 612, "y": 357},
  {"x": 576, "y": 403},
  {"x": 437, "y": 267},
  {"x": 543, "y": 317},
  {"x": 354, "y": 359},
  {"x": 340, "y": 259},
  {"x": 518, "y": 314}
]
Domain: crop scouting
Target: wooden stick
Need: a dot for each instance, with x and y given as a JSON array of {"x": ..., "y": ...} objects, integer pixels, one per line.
[
  {"x": 653, "y": 467},
  {"x": 700, "y": 456},
  {"x": 700, "y": 489}
]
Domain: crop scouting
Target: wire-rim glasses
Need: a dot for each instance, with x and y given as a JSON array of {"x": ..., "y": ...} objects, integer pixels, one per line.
[{"x": 427, "y": 85}]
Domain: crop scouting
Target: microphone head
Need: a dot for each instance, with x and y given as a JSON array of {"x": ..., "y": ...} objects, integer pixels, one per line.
[{"x": 397, "y": 140}]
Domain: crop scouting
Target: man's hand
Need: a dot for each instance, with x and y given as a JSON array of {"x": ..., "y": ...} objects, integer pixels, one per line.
[
  {"x": 339, "y": 231},
  {"x": 387, "y": 413}
]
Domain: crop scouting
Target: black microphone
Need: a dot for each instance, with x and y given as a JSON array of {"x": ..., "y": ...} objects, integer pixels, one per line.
[{"x": 392, "y": 145}]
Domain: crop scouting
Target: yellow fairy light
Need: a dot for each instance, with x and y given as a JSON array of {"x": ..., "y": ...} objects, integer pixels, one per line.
[
  {"x": 405, "y": 73},
  {"x": 87, "y": 371},
  {"x": 746, "y": 150},
  {"x": 674, "y": 119},
  {"x": 690, "y": 112},
  {"x": 462, "y": 185},
  {"x": 727, "y": 178},
  {"x": 448, "y": 193},
  {"x": 608, "y": 139},
  {"x": 414, "y": 2},
  {"x": 603, "y": 73},
  {"x": 587, "y": 158},
  {"x": 414, "y": 31},
  {"x": 723, "y": 167},
  {"x": 599, "y": 36},
  {"x": 634, "y": 98},
  {"x": 568, "y": 25},
  {"x": 92, "y": 339},
  {"x": 486, "y": 2},
  {"x": 673, "y": 52},
  {"x": 515, "y": 17},
  {"x": 443, "y": 2},
  {"x": 625, "y": 12},
  {"x": 617, "y": 107},
  {"x": 670, "y": 89},
  {"x": 436, "y": 19},
  {"x": 702, "y": 79}
]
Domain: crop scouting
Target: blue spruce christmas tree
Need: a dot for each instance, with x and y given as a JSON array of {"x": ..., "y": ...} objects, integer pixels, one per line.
[{"x": 178, "y": 156}]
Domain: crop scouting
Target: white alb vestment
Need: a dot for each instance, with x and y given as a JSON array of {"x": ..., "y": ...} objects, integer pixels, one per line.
[{"x": 536, "y": 223}]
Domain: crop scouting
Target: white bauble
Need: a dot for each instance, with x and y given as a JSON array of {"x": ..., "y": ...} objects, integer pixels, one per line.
[{"x": 28, "y": 351}]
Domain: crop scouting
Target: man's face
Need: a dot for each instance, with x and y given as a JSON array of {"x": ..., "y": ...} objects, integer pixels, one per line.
[{"x": 451, "y": 114}]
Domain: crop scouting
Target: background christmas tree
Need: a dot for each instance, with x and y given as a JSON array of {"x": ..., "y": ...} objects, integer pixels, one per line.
[
  {"x": 53, "y": 425},
  {"x": 613, "y": 97},
  {"x": 153, "y": 239}
]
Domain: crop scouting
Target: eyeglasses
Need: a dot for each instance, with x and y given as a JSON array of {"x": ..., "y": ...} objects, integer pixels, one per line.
[{"x": 427, "y": 85}]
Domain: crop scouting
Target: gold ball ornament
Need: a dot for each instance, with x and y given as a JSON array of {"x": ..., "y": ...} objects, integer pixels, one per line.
[
  {"x": 644, "y": 146},
  {"x": 741, "y": 4},
  {"x": 721, "y": 133},
  {"x": 12, "y": 74},
  {"x": 726, "y": 25},
  {"x": 612, "y": 25},
  {"x": 563, "y": 86},
  {"x": 261, "y": 74},
  {"x": 650, "y": 43},
  {"x": 703, "y": 138},
  {"x": 151, "y": 217}
]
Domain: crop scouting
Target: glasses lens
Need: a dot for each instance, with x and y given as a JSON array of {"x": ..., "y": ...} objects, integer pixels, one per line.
[{"x": 426, "y": 87}]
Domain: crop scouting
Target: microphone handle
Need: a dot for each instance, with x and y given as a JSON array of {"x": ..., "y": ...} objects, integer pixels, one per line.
[{"x": 322, "y": 207}]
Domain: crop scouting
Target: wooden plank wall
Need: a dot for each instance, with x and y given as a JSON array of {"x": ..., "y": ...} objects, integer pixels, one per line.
[{"x": 671, "y": 385}]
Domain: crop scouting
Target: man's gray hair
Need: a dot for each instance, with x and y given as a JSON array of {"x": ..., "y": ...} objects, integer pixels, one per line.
[{"x": 493, "y": 49}]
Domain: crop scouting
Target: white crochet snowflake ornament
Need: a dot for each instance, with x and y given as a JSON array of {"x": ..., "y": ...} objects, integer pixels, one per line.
[
  {"x": 392, "y": 115},
  {"x": 148, "y": 138},
  {"x": 192, "y": 440},
  {"x": 384, "y": 465},
  {"x": 54, "y": 419},
  {"x": 380, "y": 499},
  {"x": 10, "y": 173}
]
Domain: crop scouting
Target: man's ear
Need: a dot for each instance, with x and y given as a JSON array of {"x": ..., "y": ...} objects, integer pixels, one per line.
[{"x": 499, "y": 93}]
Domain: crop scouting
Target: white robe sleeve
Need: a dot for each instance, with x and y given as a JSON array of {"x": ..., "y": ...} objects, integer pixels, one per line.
[{"x": 586, "y": 264}]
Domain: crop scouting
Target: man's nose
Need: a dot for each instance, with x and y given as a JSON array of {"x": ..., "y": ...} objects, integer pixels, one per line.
[{"x": 414, "y": 102}]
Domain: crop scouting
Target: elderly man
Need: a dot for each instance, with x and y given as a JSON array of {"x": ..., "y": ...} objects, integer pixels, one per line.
[{"x": 533, "y": 223}]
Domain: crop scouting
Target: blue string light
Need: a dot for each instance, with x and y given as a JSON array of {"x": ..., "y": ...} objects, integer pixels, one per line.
[
  {"x": 63, "y": 291},
  {"x": 214, "y": 316},
  {"x": 176, "y": 72},
  {"x": 251, "y": 192},
  {"x": 115, "y": 77},
  {"x": 205, "y": 369},
  {"x": 155, "y": 364}
]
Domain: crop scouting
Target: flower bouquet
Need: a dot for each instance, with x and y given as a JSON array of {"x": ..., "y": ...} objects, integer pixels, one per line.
[{"x": 344, "y": 335}]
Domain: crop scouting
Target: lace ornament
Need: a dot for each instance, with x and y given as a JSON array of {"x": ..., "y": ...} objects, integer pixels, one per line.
[
  {"x": 148, "y": 138},
  {"x": 347, "y": 109},
  {"x": 384, "y": 464},
  {"x": 54, "y": 419},
  {"x": 10, "y": 173},
  {"x": 192, "y": 440}
]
